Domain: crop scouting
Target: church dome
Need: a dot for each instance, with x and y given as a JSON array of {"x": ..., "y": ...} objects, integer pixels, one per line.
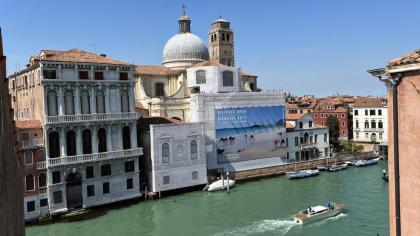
[{"x": 184, "y": 49}]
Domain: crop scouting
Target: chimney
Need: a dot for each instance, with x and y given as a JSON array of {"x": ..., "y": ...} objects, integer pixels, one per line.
[{"x": 103, "y": 55}]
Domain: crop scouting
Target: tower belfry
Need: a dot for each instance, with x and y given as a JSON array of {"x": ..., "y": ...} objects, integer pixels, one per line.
[
  {"x": 221, "y": 43},
  {"x": 184, "y": 21}
]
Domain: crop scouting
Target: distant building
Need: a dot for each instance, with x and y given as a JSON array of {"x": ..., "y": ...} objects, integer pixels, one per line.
[
  {"x": 370, "y": 123},
  {"x": 299, "y": 107},
  {"x": 174, "y": 153},
  {"x": 85, "y": 104},
  {"x": 330, "y": 107},
  {"x": 402, "y": 78},
  {"x": 305, "y": 139}
]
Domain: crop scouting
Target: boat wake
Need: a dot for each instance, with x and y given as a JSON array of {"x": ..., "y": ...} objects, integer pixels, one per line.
[
  {"x": 279, "y": 226},
  {"x": 334, "y": 218}
]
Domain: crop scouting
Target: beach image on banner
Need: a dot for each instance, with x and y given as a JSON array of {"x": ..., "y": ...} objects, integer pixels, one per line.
[{"x": 250, "y": 133}]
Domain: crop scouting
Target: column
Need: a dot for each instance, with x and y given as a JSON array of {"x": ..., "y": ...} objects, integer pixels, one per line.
[
  {"x": 106, "y": 74},
  {"x": 91, "y": 73},
  {"x": 132, "y": 99},
  {"x": 76, "y": 70},
  {"x": 77, "y": 100},
  {"x": 118, "y": 99},
  {"x": 92, "y": 100},
  {"x": 94, "y": 139},
  {"x": 63, "y": 143},
  {"x": 107, "y": 99},
  {"x": 120, "y": 137},
  {"x": 79, "y": 141},
  {"x": 60, "y": 101},
  {"x": 59, "y": 72},
  {"x": 46, "y": 145},
  {"x": 133, "y": 133},
  {"x": 109, "y": 138},
  {"x": 45, "y": 102}
]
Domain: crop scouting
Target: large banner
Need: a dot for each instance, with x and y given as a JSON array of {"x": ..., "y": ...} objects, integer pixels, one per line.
[{"x": 250, "y": 133}]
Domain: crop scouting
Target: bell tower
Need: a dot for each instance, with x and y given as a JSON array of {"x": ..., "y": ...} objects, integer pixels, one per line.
[{"x": 221, "y": 43}]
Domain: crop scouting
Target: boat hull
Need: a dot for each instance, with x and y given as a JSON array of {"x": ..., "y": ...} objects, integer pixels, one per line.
[
  {"x": 302, "y": 174},
  {"x": 219, "y": 185},
  {"x": 302, "y": 216}
]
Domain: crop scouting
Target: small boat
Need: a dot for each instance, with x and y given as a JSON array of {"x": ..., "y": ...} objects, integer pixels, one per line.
[
  {"x": 323, "y": 168},
  {"x": 220, "y": 185},
  {"x": 366, "y": 162},
  {"x": 335, "y": 168},
  {"x": 318, "y": 212},
  {"x": 301, "y": 174},
  {"x": 348, "y": 163}
]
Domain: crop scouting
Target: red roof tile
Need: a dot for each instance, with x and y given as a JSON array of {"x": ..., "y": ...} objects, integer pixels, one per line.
[
  {"x": 157, "y": 70},
  {"x": 369, "y": 102},
  {"x": 28, "y": 124},
  {"x": 77, "y": 55},
  {"x": 294, "y": 116},
  {"x": 411, "y": 58},
  {"x": 208, "y": 63}
]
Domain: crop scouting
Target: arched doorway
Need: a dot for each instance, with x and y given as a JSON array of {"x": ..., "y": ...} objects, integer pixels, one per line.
[{"x": 74, "y": 191}]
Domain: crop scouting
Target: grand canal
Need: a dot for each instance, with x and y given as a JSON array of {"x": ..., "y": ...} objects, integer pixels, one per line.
[{"x": 262, "y": 207}]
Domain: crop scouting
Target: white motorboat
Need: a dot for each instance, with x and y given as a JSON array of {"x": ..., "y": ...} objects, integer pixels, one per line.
[
  {"x": 301, "y": 174},
  {"x": 220, "y": 185},
  {"x": 318, "y": 212},
  {"x": 335, "y": 168},
  {"x": 366, "y": 162}
]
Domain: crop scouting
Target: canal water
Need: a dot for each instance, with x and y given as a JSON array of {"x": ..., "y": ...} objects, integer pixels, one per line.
[{"x": 262, "y": 207}]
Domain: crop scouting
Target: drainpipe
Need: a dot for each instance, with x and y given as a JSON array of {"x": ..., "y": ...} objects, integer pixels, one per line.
[{"x": 394, "y": 87}]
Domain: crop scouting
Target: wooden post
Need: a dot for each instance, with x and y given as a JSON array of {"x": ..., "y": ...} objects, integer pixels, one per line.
[
  {"x": 145, "y": 195},
  {"x": 227, "y": 176},
  {"x": 223, "y": 183},
  {"x": 159, "y": 191}
]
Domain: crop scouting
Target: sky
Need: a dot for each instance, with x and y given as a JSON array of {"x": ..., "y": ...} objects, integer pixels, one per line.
[{"x": 300, "y": 46}]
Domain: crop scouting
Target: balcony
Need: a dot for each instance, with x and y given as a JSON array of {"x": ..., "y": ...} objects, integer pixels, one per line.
[
  {"x": 369, "y": 129},
  {"x": 91, "y": 118},
  {"x": 53, "y": 162},
  {"x": 42, "y": 190},
  {"x": 308, "y": 145},
  {"x": 41, "y": 165},
  {"x": 32, "y": 143},
  {"x": 63, "y": 82}
]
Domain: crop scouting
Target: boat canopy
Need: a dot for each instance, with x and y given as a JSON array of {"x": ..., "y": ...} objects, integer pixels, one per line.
[{"x": 317, "y": 209}]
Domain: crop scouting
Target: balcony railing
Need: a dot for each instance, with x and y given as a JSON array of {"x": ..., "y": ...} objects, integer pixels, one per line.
[
  {"x": 32, "y": 143},
  {"x": 100, "y": 117},
  {"x": 41, "y": 165},
  {"x": 369, "y": 129},
  {"x": 95, "y": 157},
  {"x": 308, "y": 145},
  {"x": 42, "y": 190}
]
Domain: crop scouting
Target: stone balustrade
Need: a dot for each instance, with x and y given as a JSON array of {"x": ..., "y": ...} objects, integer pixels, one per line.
[
  {"x": 83, "y": 118},
  {"x": 52, "y": 162},
  {"x": 41, "y": 165},
  {"x": 31, "y": 143}
]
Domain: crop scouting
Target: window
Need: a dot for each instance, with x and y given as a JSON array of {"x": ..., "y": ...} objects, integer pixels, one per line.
[
  {"x": 194, "y": 175},
  {"x": 159, "y": 90},
  {"x": 379, "y": 112},
  {"x": 193, "y": 147},
  {"x": 372, "y": 112},
  {"x": 126, "y": 135},
  {"x": 325, "y": 138},
  {"x": 227, "y": 78},
  {"x": 380, "y": 135},
  {"x": 165, "y": 153},
  {"x": 102, "y": 145},
  {"x": 50, "y": 74},
  {"x": 43, "y": 202},
  {"x": 105, "y": 188},
  {"x": 30, "y": 206},
  {"x": 57, "y": 197},
  {"x": 315, "y": 115},
  {"x": 321, "y": 115},
  {"x": 228, "y": 37},
  {"x": 356, "y": 112},
  {"x": 297, "y": 156},
  {"x": 129, "y": 166},
  {"x": 366, "y": 125},
  {"x": 90, "y": 189},
  {"x": 366, "y": 112},
  {"x": 42, "y": 180},
  {"x": 29, "y": 183},
  {"x": 166, "y": 179},
  {"x": 84, "y": 75},
  {"x": 342, "y": 123},
  {"x": 366, "y": 135},
  {"x": 106, "y": 170},
  {"x": 310, "y": 124},
  {"x": 28, "y": 157},
  {"x": 316, "y": 138},
  {"x": 342, "y": 115},
  {"x": 373, "y": 124},
  {"x": 322, "y": 122},
  {"x": 296, "y": 141},
  {"x": 300, "y": 125},
  {"x": 357, "y": 134},
  {"x": 200, "y": 77},
  {"x": 357, "y": 124},
  {"x": 223, "y": 36},
  {"x": 380, "y": 125},
  {"x": 99, "y": 75},
  {"x": 90, "y": 172},
  {"x": 56, "y": 177},
  {"x": 130, "y": 183},
  {"x": 123, "y": 76}
]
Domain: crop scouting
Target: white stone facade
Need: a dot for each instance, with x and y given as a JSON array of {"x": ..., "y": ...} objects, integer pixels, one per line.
[
  {"x": 34, "y": 206},
  {"x": 307, "y": 141},
  {"x": 214, "y": 79},
  {"x": 370, "y": 124},
  {"x": 175, "y": 156}
]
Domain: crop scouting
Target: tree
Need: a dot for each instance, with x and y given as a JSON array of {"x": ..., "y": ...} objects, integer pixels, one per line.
[
  {"x": 351, "y": 147},
  {"x": 334, "y": 132}
]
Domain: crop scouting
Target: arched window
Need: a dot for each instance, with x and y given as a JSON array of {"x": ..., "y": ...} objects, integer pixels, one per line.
[
  {"x": 28, "y": 158},
  {"x": 211, "y": 39},
  {"x": 215, "y": 37},
  {"x": 200, "y": 77},
  {"x": 54, "y": 145},
  {"x": 100, "y": 102},
  {"x": 85, "y": 106},
  {"x": 39, "y": 155},
  {"x": 69, "y": 99},
  {"x": 71, "y": 143},
  {"x": 193, "y": 149},
  {"x": 29, "y": 183},
  {"x": 159, "y": 90},
  {"x": 366, "y": 125},
  {"x": 306, "y": 138},
  {"x": 223, "y": 36},
  {"x": 227, "y": 78},
  {"x": 102, "y": 140},
  {"x": 42, "y": 180},
  {"x": 124, "y": 101},
  {"x": 126, "y": 138},
  {"x": 228, "y": 37},
  {"x": 52, "y": 103},
  {"x": 357, "y": 124},
  {"x": 87, "y": 141},
  {"x": 373, "y": 124},
  {"x": 165, "y": 153},
  {"x": 380, "y": 125}
]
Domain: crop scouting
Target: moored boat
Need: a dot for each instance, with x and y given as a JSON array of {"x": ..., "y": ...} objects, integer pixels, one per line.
[
  {"x": 335, "y": 168},
  {"x": 220, "y": 185},
  {"x": 319, "y": 212},
  {"x": 301, "y": 174},
  {"x": 323, "y": 168},
  {"x": 366, "y": 162}
]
